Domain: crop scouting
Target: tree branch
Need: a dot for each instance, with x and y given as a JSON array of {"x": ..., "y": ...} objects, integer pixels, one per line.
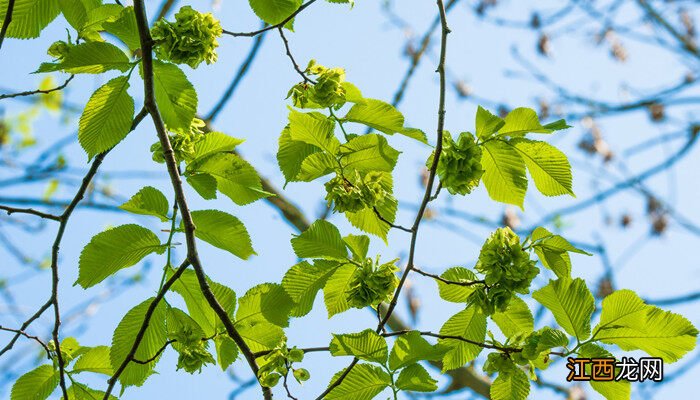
[
  {"x": 280, "y": 25},
  {"x": 7, "y": 21}
]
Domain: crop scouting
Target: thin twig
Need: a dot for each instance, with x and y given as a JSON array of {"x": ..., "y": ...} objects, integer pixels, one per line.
[
  {"x": 28, "y": 336},
  {"x": 280, "y": 25},
  {"x": 38, "y": 91},
  {"x": 503, "y": 349},
  {"x": 447, "y": 281},
  {"x": 291, "y": 57},
  {"x": 12, "y": 210}
]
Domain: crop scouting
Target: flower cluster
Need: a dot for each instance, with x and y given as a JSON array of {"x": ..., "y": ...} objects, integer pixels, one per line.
[
  {"x": 507, "y": 268},
  {"x": 326, "y": 92},
  {"x": 59, "y": 49},
  {"x": 356, "y": 194},
  {"x": 183, "y": 142},
  {"x": 277, "y": 364},
  {"x": 459, "y": 168},
  {"x": 192, "y": 350},
  {"x": 372, "y": 283},
  {"x": 190, "y": 40}
]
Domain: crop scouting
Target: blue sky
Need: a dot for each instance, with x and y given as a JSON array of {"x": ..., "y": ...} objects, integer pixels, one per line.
[{"x": 370, "y": 49}]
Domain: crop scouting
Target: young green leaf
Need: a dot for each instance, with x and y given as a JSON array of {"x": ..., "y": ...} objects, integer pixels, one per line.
[
  {"x": 175, "y": 95},
  {"x": 358, "y": 246},
  {"x": 415, "y": 133},
  {"x": 36, "y": 384},
  {"x": 291, "y": 155},
  {"x": 96, "y": 18},
  {"x": 94, "y": 360},
  {"x": 314, "y": 129},
  {"x": 226, "y": 351},
  {"x": 410, "y": 348},
  {"x": 456, "y": 293},
  {"x": 321, "y": 240},
  {"x": 76, "y": 11},
  {"x": 124, "y": 27},
  {"x": 363, "y": 382},
  {"x": 79, "y": 391},
  {"x": 504, "y": 173},
  {"x": 204, "y": 185},
  {"x": 367, "y": 219},
  {"x": 274, "y": 12},
  {"x": 303, "y": 281},
  {"x": 213, "y": 143},
  {"x": 368, "y": 153},
  {"x": 366, "y": 345},
  {"x": 235, "y": 178},
  {"x": 513, "y": 385},
  {"x": 148, "y": 201},
  {"x": 470, "y": 324},
  {"x": 224, "y": 231},
  {"x": 378, "y": 115},
  {"x": 135, "y": 374},
  {"x": 262, "y": 335},
  {"x": 553, "y": 251},
  {"x": 611, "y": 390},
  {"x": 486, "y": 123},
  {"x": 267, "y": 302},
  {"x": 334, "y": 292},
  {"x": 415, "y": 378},
  {"x": 571, "y": 303},
  {"x": 622, "y": 308},
  {"x": 522, "y": 121},
  {"x": 549, "y": 167},
  {"x": 107, "y": 117},
  {"x": 113, "y": 250},
  {"x": 198, "y": 306},
  {"x": 516, "y": 319},
  {"x": 90, "y": 58},
  {"x": 29, "y": 17}
]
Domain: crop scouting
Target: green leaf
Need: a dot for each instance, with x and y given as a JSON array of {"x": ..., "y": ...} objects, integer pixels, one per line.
[
  {"x": 148, "y": 201},
  {"x": 262, "y": 335},
  {"x": 314, "y": 129},
  {"x": 107, "y": 117},
  {"x": 510, "y": 386},
  {"x": 79, "y": 391},
  {"x": 76, "y": 11},
  {"x": 486, "y": 123},
  {"x": 516, "y": 319},
  {"x": 571, "y": 303},
  {"x": 622, "y": 308},
  {"x": 226, "y": 351},
  {"x": 377, "y": 115},
  {"x": 37, "y": 384},
  {"x": 274, "y": 11},
  {"x": 552, "y": 251},
  {"x": 368, "y": 153},
  {"x": 315, "y": 166},
  {"x": 363, "y": 382},
  {"x": 179, "y": 322},
  {"x": 611, "y": 390},
  {"x": 456, "y": 293},
  {"x": 291, "y": 155},
  {"x": 213, "y": 143},
  {"x": 204, "y": 184},
  {"x": 235, "y": 178},
  {"x": 96, "y": 20},
  {"x": 94, "y": 360},
  {"x": 663, "y": 334},
  {"x": 267, "y": 302},
  {"x": 175, "y": 95},
  {"x": 29, "y": 17},
  {"x": 468, "y": 324},
  {"x": 224, "y": 231},
  {"x": 125, "y": 28},
  {"x": 521, "y": 121},
  {"x": 90, "y": 58},
  {"x": 416, "y": 379},
  {"x": 549, "y": 167},
  {"x": 504, "y": 173},
  {"x": 334, "y": 292},
  {"x": 358, "y": 245},
  {"x": 321, "y": 240},
  {"x": 410, "y": 348},
  {"x": 198, "y": 306},
  {"x": 303, "y": 281},
  {"x": 113, "y": 250},
  {"x": 366, "y": 345},
  {"x": 557, "y": 125},
  {"x": 414, "y": 133},
  {"x": 153, "y": 339}
]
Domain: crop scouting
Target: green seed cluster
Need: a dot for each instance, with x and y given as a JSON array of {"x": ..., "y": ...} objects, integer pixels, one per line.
[
  {"x": 498, "y": 363},
  {"x": 190, "y": 40},
  {"x": 354, "y": 195},
  {"x": 326, "y": 92},
  {"x": 59, "y": 49},
  {"x": 507, "y": 269},
  {"x": 372, "y": 283},
  {"x": 193, "y": 354},
  {"x": 459, "y": 168},
  {"x": 182, "y": 142},
  {"x": 277, "y": 364}
]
